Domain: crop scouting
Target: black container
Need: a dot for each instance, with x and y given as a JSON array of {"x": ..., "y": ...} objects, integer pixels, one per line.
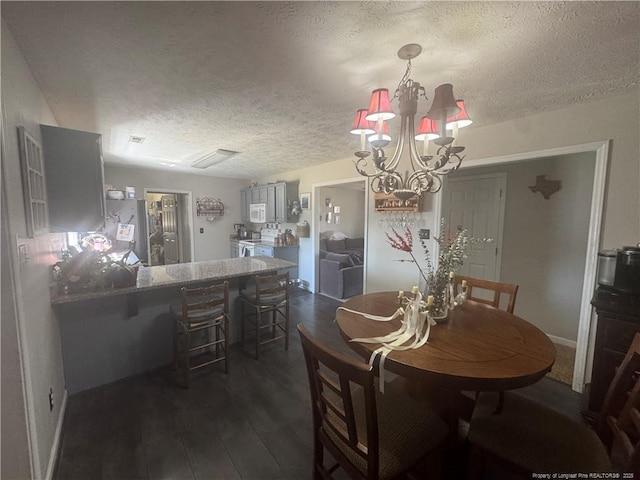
[{"x": 627, "y": 276}]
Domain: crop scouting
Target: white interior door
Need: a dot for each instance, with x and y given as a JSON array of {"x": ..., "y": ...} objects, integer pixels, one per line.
[{"x": 477, "y": 203}]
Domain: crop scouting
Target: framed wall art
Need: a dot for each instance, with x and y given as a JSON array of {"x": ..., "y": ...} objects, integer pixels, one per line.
[{"x": 305, "y": 201}]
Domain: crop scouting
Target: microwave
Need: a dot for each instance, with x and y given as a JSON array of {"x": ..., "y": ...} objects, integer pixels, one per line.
[{"x": 258, "y": 212}]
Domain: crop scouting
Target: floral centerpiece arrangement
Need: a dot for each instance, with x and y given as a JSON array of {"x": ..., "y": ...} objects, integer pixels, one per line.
[{"x": 452, "y": 251}]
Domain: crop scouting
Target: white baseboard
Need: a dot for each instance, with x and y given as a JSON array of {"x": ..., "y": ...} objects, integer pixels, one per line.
[
  {"x": 562, "y": 341},
  {"x": 55, "y": 448}
]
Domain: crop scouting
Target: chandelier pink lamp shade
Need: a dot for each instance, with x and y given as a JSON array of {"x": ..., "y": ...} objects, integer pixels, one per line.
[
  {"x": 361, "y": 124},
  {"x": 460, "y": 120},
  {"x": 380, "y": 106},
  {"x": 427, "y": 130},
  {"x": 381, "y": 137}
]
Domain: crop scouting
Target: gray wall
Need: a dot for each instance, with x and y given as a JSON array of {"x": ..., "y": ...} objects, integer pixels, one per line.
[
  {"x": 37, "y": 327},
  {"x": 545, "y": 241},
  {"x": 214, "y": 242},
  {"x": 15, "y": 458},
  {"x": 351, "y": 203}
]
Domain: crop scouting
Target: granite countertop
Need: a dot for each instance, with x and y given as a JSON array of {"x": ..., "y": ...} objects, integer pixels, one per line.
[{"x": 162, "y": 276}]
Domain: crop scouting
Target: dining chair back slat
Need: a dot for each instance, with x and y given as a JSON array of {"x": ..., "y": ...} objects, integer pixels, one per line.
[
  {"x": 476, "y": 287},
  {"x": 347, "y": 419}
]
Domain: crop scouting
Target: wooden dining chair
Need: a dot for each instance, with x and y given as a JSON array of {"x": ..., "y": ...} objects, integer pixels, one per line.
[
  {"x": 370, "y": 434},
  {"x": 501, "y": 295},
  {"x": 202, "y": 326},
  {"x": 478, "y": 290},
  {"x": 527, "y": 437},
  {"x": 265, "y": 307}
]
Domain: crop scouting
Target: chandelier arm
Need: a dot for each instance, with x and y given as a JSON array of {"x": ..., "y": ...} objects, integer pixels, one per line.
[
  {"x": 419, "y": 182},
  {"x": 437, "y": 181},
  {"x": 395, "y": 159},
  {"x": 416, "y": 159},
  {"x": 385, "y": 182},
  {"x": 361, "y": 165},
  {"x": 424, "y": 182}
]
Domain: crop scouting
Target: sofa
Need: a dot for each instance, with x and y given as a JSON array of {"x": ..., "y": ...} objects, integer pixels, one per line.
[{"x": 341, "y": 267}]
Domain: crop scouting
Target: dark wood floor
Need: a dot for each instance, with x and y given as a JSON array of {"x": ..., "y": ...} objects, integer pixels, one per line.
[{"x": 254, "y": 423}]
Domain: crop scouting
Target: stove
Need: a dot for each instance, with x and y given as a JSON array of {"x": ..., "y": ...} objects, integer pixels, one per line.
[
  {"x": 247, "y": 248},
  {"x": 269, "y": 235}
]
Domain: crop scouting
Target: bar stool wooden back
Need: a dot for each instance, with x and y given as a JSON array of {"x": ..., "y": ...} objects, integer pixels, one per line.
[
  {"x": 264, "y": 308},
  {"x": 202, "y": 326}
]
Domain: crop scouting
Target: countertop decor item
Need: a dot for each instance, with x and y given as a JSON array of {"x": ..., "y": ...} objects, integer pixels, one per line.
[{"x": 441, "y": 123}]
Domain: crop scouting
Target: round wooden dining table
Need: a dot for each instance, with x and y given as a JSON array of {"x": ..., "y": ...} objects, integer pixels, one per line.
[{"x": 478, "y": 347}]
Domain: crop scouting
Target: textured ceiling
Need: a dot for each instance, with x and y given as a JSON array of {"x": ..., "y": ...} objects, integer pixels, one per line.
[{"x": 280, "y": 82}]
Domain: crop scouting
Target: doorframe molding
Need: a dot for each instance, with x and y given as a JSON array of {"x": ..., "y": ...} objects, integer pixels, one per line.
[
  {"x": 587, "y": 322},
  {"x": 189, "y": 194},
  {"x": 315, "y": 209}
]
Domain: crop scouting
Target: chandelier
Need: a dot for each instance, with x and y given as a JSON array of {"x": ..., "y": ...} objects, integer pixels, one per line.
[{"x": 440, "y": 125}]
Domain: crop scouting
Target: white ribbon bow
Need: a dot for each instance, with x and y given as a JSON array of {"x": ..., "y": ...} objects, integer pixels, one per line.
[{"x": 415, "y": 315}]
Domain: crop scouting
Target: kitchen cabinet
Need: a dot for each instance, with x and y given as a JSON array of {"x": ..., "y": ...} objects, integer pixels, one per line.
[
  {"x": 277, "y": 197},
  {"x": 259, "y": 194},
  {"x": 234, "y": 246},
  {"x": 281, "y": 202},
  {"x": 245, "y": 201},
  {"x": 271, "y": 204},
  {"x": 288, "y": 253},
  {"x": 75, "y": 179}
]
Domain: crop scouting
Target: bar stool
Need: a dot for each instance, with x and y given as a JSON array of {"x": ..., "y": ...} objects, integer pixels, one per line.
[
  {"x": 266, "y": 306},
  {"x": 202, "y": 325}
]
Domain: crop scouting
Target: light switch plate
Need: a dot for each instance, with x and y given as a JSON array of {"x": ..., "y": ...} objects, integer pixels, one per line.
[{"x": 23, "y": 256}]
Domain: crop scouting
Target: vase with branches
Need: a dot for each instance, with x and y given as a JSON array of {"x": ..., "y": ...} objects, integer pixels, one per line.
[{"x": 452, "y": 251}]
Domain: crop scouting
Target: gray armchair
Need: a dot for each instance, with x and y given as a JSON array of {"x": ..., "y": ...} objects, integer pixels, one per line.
[{"x": 339, "y": 277}]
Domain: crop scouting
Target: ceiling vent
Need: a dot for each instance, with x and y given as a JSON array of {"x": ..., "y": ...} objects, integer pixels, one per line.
[
  {"x": 136, "y": 139},
  {"x": 213, "y": 158}
]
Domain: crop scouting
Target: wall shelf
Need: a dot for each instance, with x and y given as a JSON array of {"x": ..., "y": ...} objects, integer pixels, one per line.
[
  {"x": 211, "y": 208},
  {"x": 389, "y": 203}
]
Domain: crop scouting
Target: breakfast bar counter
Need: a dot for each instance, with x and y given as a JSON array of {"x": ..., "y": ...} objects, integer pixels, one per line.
[
  {"x": 111, "y": 334},
  {"x": 181, "y": 274}
]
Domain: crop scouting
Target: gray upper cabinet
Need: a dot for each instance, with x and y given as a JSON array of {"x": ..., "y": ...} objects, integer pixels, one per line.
[
  {"x": 75, "y": 179},
  {"x": 259, "y": 194},
  {"x": 245, "y": 201},
  {"x": 272, "y": 203},
  {"x": 277, "y": 197},
  {"x": 285, "y": 194},
  {"x": 281, "y": 202}
]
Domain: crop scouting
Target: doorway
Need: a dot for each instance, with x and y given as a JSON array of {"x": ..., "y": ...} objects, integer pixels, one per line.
[
  {"x": 170, "y": 228},
  {"x": 339, "y": 208},
  {"x": 583, "y": 280}
]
